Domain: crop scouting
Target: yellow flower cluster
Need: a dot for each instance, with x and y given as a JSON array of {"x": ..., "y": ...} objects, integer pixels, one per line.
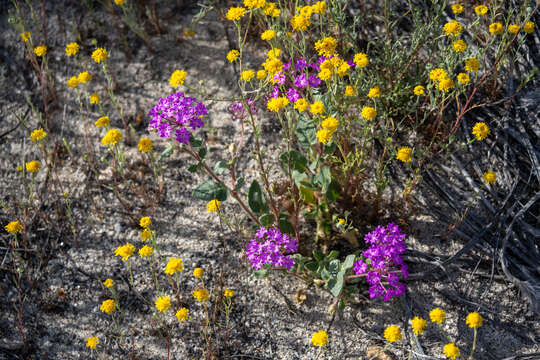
[
  {"x": 38, "y": 134},
  {"x": 489, "y": 177},
  {"x": 463, "y": 78},
  {"x": 329, "y": 126},
  {"x": 84, "y": 77},
  {"x": 40, "y": 50},
  {"x": 108, "y": 306},
  {"x": 94, "y": 98},
  {"x": 174, "y": 265},
  {"x": 201, "y": 295},
  {"x": 268, "y": 35},
  {"x": 228, "y": 293},
  {"x": 439, "y": 75},
  {"x": 361, "y": 60},
  {"x": 457, "y": 9},
  {"x": 474, "y": 320},
  {"x": 301, "y": 104},
  {"x": 453, "y": 28},
  {"x": 276, "y": 104},
  {"x": 73, "y": 82},
  {"x": 254, "y": 4},
  {"x": 496, "y": 28},
  {"x": 235, "y": 13},
  {"x": 14, "y": 227},
  {"x": 102, "y": 121},
  {"x": 481, "y": 10},
  {"x": 182, "y": 314},
  {"x": 99, "y": 55},
  {"x": 112, "y": 137},
  {"x": 108, "y": 283},
  {"x": 92, "y": 342},
  {"x": 247, "y": 75},
  {"x": 198, "y": 273},
  {"x": 72, "y": 48},
  {"x": 326, "y": 46},
  {"x": 451, "y": 351},
  {"x": 125, "y": 251},
  {"x": 418, "y": 325},
  {"x": 349, "y": 91},
  {"x": 146, "y": 251},
  {"x": 33, "y": 166},
  {"x": 25, "y": 36},
  {"x": 392, "y": 334},
  {"x": 163, "y": 303},
  {"x": 145, "y": 222},
  {"x": 233, "y": 55},
  {"x": 419, "y": 90},
  {"x": 459, "y": 46},
  {"x": 480, "y": 130},
  {"x": 271, "y": 9},
  {"x": 213, "y": 206},
  {"x": 145, "y": 145},
  {"x": 368, "y": 113},
  {"x": 334, "y": 65},
  {"x": 320, "y": 338},
  {"x": 177, "y": 78},
  {"x": 437, "y": 315},
  {"x": 374, "y": 92},
  {"x": 404, "y": 154},
  {"x": 472, "y": 65}
]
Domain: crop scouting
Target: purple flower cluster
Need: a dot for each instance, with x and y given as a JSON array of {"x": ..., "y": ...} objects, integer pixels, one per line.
[
  {"x": 177, "y": 112},
  {"x": 384, "y": 253},
  {"x": 299, "y": 79},
  {"x": 269, "y": 247},
  {"x": 238, "y": 111}
]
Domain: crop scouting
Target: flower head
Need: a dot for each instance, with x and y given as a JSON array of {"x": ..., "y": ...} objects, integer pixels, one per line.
[
  {"x": 145, "y": 145},
  {"x": 174, "y": 265},
  {"x": 419, "y": 90},
  {"x": 125, "y": 251},
  {"x": 276, "y": 104},
  {"x": 33, "y": 166},
  {"x": 92, "y": 342},
  {"x": 213, "y": 206},
  {"x": 437, "y": 315},
  {"x": 528, "y": 27},
  {"x": 368, "y": 113},
  {"x": 72, "y": 48},
  {"x": 163, "y": 303},
  {"x": 326, "y": 46},
  {"x": 146, "y": 234},
  {"x": 392, "y": 334},
  {"x": 40, "y": 50},
  {"x": 437, "y": 74},
  {"x": 119, "y": 2},
  {"x": 269, "y": 247},
  {"x": 489, "y": 177},
  {"x": 233, "y": 55},
  {"x": 459, "y": 46},
  {"x": 177, "y": 78},
  {"x": 349, "y": 91},
  {"x": 146, "y": 251},
  {"x": 108, "y": 283},
  {"x": 201, "y": 295},
  {"x": 481, "y": 10},
  {"x": 94, "y": 98},
  {"x": 330, "y": 123},
  {"x": 247, "y": 75},
  {"x": 38, "y": 134},
  {"x": 300, "y": 22},
  {"x": 73, "y": 82},
  {"x": 261, "y": 74},
  {"x": 472, "y": 65},
  {"x": 301, "y": 104},
  {"x": 254, "y": 4},
  {"x": 320, "y": 338},
  {"x": 324, "y": 135},
  {"x": 451, "y": 351},
  {"x": 25, "y": 36},
  {"x": 99, "y": 55},
  {"x": 84, "y": 77},
  {"x": 480, "y": 130},
  {"x": 182, "y": 314},
  {"x": 404, "y": 154},
  {"x": 374, "y": 92},
  {"x": 319, "y": 7},
  {"x": 14, "y": 227},
  {"x": 453, "y": 28},
  {"x": 102, "y": 121},
  {"x": 198, "y": 272},
  {"x": 228, "y": 293},
  {"x": 418, "y": 325},
  {"x": 474, "y": 320},
  {"x": 446, "y": 84},
  {"x": 316, "y": 108},
  {"x": 145, "y": 222},
  {"x": 107, "y": 306},
  {"x": 112, "y": 137},
  {"x": 457, "y": 8},
  {"x": 463, "y": 78},
  {"x": 235, "y": 13},
  {"x": 513, "y": 28},
  {"x": 496, "y": 28},
  {"x": 268, "y": 35},
  {"x": 361, "y": 60}
]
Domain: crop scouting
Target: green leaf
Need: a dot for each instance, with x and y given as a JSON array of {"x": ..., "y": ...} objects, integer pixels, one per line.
[
  {"x": 259, "y": 274},
  {"x": 239, "y": 183},
  {"x": 333, "y": 190},
  {"x": 167, "y": 152},
  {"x": 284, "y": 224},
  {"x": 267, "y": 220},
  {"x": 333, "y": 255},
  {"x": 312, "y": 266},
  {"x": 333, "y": 267},
  {"x": 195, "y": 142},
  {"x": 317, "y": 255},
  {"x": 325, "y": 275},
  {"x": 256, "y": 200},
  {"x": 348, "y": 263},
  {"x": 220, "y": 167},
  {"x": 209, "y": 190},
  {"x": 305, "y": 131},
  {"x": 307, "y": 195},
  {"x": 335, "y": 285},
  {"x": 294, "y": 159},
  {"x": 202, "y": 152},
  {"x": 193, "y": 168}
]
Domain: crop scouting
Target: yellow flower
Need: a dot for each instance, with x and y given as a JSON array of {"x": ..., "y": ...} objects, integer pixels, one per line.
[
  {"x": 174, "y": 265},
  {"x": 73, "y": 82},
  {"x": 418, "y": 325},
  {"x": 14, "y": 227},
  {"x": 463, "y": 78},
  {"x": 228, "y": 293},
  {"x": 94, "y": 98},
  {"x": 320, "y": 338},
  {"x": 496, "y": 28},
  {"x": 145, "y": 222},
  {"x": 489, "y": 178},
  {"x": 108, "y": 283},
  {"x": 459, "y": 46},
  {"x": 102, "y": 121},
  {"x": 481, "y": 10},
  {"x": 19, "y": 168},
  {"x": 513, "y": 28},
  {"x": 261, "y": 74},
  {"x": 528, "y": 27},
  {"x": 235, "y": 13},
  {"x": 480, "y": 130},
  {"x": 119, "y": 2},
  {"x": 25, "y": 36},
  {"x": 451, "y": 351},
  {"x": 474, "y": 320},
  {"x": 198, "y": 272},
  {"x": 457, "y": 8},
  {"x": 472, "y": 65},
  {"x": 368, "y": 113},
  {"x": 201, "y": 294},
  {"x": 271, "y": 10},
  {"x": 213, "y": 205},
  {"x": 233, "y": 55},
  {"x": 99, "y": 55},
  {"x": 437, "y": 74},
  {"x": 163, "y": 303},
  {"x": 324, "y": 74},
  {"x": 146, "y": 251},
  {"x": 319, "y": 7},
  {"x": 452, "y": 28},
  {"x": 374, "y": 92},
  {"x": 182, "y": 314},
  {"x": 38, "y": 134},
  {"x": 272, "y": 65},
  {"x": 92, "y": 342},
  {"x": 301, "y": 104},
  {"x": 72, "y": 48},
  {"x": 419, "y": 90},
  {"x": 300, "y": 22},
  {"x": 404, "y": 154},
  {"x": 40, "y": 50},
  {"x": 392, "y": 334},
  {"x": 276, "y": 104},
  {"x": 145, "y": 145},
  {"x": 188, "y": 33},
  {"x": 316, "y": 108},
  {"x": 361, "y": 60},
  {"x": 341, "y": 221},
  {"x": 112, "y": 137},
  {"x": 146, "y": 234},
  {"x": 324, "y": 135},
  {"x": 305, "y": 11},
  {"x": 33, "y": 166},
  {"x": 84, "y": 77},
  {"x": 326, "y": 46},
  {"x": 107, "y": 306},
  {"x": 446, "y": 84},
  {"x": 437, "y": 315},
  {"x": 268, "y": 35},
  {"x": 349, "y": 91},
  {"x": 247, "y": 75},
  {"x": 125, "y": 251},
  {"x": 330, "y": 123},
  {"x": 254, "y": 4},
  {"x": 177, "y": 78}
]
